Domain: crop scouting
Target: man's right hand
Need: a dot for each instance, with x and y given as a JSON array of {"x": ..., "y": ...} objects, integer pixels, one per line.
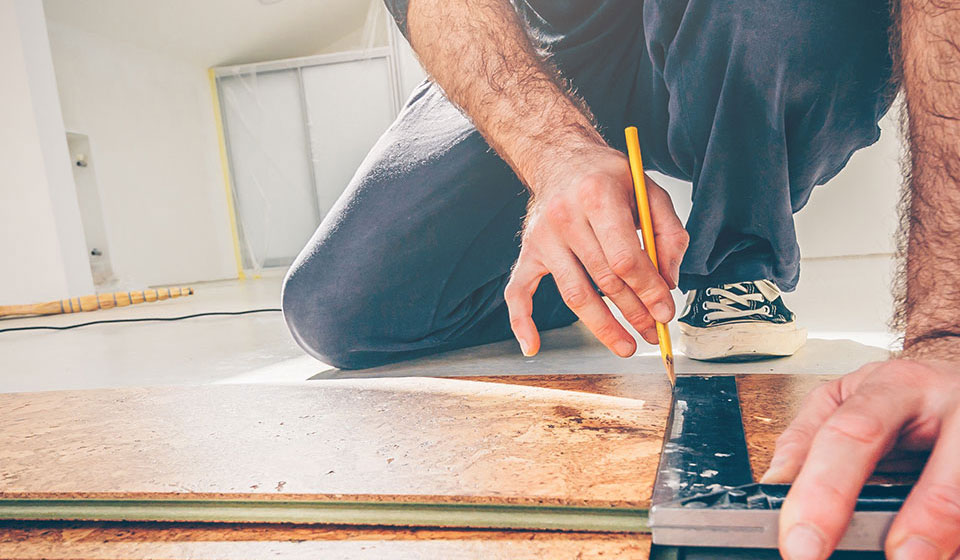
[{"x": 582, "y": 225}]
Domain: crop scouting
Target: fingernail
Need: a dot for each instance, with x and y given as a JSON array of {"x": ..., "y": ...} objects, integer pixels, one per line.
[
  {"x": 773, "y": 475},
  {"x": 623, "y": 348},
  {"x": 916, "y": 548},
  {"x": 661, "y": 312},
  {"x": 650, "y": 335},
  {"x": 773, "y": 471},
  {"x": 675, "y": 273},
  {"x": 803, "y": 542},
  {"x": 524, "y": 347}
]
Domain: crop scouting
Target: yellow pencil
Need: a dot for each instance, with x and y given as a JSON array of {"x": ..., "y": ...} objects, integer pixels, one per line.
[{"x": 646, "y": 229}]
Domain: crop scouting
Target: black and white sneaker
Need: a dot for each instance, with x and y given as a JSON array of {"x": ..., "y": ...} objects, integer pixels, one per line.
[{"x": 739, "y": 321}]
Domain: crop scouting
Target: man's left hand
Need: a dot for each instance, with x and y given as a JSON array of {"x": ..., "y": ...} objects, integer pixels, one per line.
[{"x": 885, "y": 416}]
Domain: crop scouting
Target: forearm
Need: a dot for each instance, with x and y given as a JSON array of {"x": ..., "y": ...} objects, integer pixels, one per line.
[
  {"x": 930, "y": 307},
  {"x": 479, "y": 53}
]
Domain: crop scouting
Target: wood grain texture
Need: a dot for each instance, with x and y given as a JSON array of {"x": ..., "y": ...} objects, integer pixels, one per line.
[
  {"x": 595, "y": 442},
  {"x": 653, "y": 389},
  {"x": 202, "y": 541},
  {"x": 769, "y": 403}
]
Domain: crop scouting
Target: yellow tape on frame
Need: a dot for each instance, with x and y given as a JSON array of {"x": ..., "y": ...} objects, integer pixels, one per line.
[{"x": 225, "y": 170}]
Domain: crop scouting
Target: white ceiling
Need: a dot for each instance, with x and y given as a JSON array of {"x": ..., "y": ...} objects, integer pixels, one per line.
[{"x": 219, "y": 32}]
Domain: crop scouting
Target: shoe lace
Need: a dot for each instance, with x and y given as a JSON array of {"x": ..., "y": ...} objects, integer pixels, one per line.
[{"x": 731, "y": 305}]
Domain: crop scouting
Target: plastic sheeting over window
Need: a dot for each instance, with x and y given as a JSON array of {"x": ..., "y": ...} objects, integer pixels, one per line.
[{"x": 296, "y": 130}]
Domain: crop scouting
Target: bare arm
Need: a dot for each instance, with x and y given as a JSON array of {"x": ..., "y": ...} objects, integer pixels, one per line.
[
  {"x": 889, "y": 415},
  {"x": 930, "y": 307},
  {"x": 580, "y": 223},
  {"x": 478, "y": 51}
]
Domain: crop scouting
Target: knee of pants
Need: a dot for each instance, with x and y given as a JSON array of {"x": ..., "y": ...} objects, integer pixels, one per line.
[
  {"x": 836, "y": 84},
  {"x": 326, "y": 322},
  {"x": 792, "y": 50},
  {"x": 837, "y": 52},
  {"x": 806, "y": 78}
]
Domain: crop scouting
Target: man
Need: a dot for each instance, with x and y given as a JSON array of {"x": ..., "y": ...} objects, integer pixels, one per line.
[{"x": 755, "y": 102}]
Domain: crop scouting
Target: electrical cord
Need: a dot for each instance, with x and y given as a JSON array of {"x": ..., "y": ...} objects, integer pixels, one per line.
[{"x": 140, "y": 320}]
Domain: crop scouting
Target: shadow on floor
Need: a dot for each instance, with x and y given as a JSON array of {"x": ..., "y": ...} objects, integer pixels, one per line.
[{"x": 574, "y": 350}]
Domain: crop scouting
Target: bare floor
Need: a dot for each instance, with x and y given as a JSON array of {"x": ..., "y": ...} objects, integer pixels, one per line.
[{"x": 844, "y": 303}]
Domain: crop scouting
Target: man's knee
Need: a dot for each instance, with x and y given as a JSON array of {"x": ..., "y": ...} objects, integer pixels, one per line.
[
  {"x": 779, "y": 60},
  {"x": 324, "y": 319},
  {"x": 817, "y": 72},
  {"x": 807, "y": 39},
  {"x": 810, "y": 45}
]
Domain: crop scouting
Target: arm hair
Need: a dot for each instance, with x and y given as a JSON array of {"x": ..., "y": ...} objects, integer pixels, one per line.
[
  {"x": 928, "y": 308},
  {"x": 480, "y": 53}
]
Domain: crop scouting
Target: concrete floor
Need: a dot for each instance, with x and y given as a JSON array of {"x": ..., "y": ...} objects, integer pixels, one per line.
[{"x": 844, "y": 302}]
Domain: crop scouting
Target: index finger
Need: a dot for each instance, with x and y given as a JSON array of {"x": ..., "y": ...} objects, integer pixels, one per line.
[
  {"x": 794, "y": 443},
  {"x": 842, "y": 456},
  {"x": 627, "y": 259}
]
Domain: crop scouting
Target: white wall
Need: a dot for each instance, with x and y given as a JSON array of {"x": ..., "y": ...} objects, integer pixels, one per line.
[
  {"x": 856, "y": 212},
  {"x": 218, "y": 32},
  {"x": 91, "y": 212},
  {"x": 43, "y": 253},
  {"x": 149, "y": 118},
  {"x": 408, "y": 66}
]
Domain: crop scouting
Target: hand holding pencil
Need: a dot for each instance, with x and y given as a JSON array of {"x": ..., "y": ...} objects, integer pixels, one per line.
[
  {"x": 649, "y": 244},
  {"x": 580, "y": 228}
]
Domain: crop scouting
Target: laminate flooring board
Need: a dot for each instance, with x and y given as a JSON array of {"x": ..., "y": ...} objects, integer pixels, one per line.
[
  {"x": 243, "y": 541},
  {"x": 769, "y": 403},
  {"x": 590, "y": 443},
  {"x": 653, "y": 389}
]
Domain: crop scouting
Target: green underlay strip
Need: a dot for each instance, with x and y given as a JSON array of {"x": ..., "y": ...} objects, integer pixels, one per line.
[{"x": 473, "y": 516}]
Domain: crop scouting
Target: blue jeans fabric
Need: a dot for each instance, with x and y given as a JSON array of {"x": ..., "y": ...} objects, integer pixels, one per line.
[{"x": 753, "y": 101}]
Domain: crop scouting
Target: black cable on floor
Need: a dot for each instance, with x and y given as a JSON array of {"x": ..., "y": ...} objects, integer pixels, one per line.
[{"x": 139, "y": 320}]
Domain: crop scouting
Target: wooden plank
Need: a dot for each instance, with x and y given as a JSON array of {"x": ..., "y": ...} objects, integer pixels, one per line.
[
  {"x": 653, "y": 389},
  {"x": 769, "y": 403},
  {"x": 245, "y": 541},
  {"x": 379, "y": 440}
]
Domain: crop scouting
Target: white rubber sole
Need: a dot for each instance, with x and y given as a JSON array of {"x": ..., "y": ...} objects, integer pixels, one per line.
[{"x": 746, "y": 341}]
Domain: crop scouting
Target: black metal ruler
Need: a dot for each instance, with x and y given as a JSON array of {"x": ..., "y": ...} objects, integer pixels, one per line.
[{"x": 704, "y": 494}]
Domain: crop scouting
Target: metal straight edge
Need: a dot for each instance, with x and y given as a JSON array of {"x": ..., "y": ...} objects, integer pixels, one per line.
[
  {"x": 704, "y": 447},
  {"x": 473, "y": 516},
  {"x": 759, "y": 528},
  {"x": 705, "y": 455}
]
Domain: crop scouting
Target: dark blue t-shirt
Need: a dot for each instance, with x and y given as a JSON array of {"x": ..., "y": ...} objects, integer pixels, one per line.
[{"x": 559, "y": 25}]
